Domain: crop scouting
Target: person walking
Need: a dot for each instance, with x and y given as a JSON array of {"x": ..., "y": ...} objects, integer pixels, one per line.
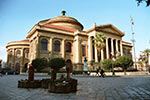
[
  {"x": 97, "y": 72},
  {"x": 102, "y": 73},
  {"x": 1, "y": 74}
]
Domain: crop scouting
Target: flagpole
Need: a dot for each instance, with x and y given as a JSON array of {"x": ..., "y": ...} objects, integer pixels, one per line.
[{"x": 133, "y": 42}]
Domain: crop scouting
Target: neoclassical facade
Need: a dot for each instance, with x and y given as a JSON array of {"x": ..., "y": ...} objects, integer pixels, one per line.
[{"x": 63, "y": 36}]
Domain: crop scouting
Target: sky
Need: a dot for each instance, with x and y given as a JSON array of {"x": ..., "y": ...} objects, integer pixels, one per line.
[{"x": 17, "y": 17}]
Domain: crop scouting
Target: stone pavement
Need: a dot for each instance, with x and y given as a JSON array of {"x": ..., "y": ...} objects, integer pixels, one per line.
[{"x": 89, "y": 88}]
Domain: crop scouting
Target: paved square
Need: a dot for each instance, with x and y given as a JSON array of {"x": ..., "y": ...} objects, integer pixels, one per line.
[{"x": 89, "y": 88}]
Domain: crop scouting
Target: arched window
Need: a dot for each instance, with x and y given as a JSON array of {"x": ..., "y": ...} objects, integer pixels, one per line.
[
  {"x": 44, "y": 44},
  {"x": 26, "y": 53},
  {"x": 57, "y": 46},
  {"x": 18, "y": 53},
  {"x": 68, "y": 47},
  {"x": 10, "y": 54},
  {"x": 83, "y": 50}
]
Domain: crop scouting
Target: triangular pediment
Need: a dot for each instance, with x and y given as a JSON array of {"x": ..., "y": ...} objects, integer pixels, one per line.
[{"x": 109, "y": 28}]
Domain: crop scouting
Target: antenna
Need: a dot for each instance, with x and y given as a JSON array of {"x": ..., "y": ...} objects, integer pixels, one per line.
[{"x": 133, "y": 41}]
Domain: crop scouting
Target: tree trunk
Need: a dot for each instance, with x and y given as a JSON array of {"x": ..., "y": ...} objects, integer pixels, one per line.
[
  {"x": 98, "y": 49},
  {"x": 53, "y": 74},
  {"x": 31, "y": 73},
  {"x": 125, "y": 72}
]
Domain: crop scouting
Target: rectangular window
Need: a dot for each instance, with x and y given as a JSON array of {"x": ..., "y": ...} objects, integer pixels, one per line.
[{"x": 83, "y": 51}]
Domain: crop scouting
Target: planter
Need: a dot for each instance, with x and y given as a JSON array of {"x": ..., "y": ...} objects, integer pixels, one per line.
[
  {"x": 63, "y": 86},
  {"x": 45, "y": 82},
  {"x": 29, "y": 84}
]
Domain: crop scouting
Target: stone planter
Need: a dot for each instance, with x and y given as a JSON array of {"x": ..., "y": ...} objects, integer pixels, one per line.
[
  {"x": 63, "y": 86},
  {"x": 29, "y": 84},
  {"x": 45, "y": 82}
]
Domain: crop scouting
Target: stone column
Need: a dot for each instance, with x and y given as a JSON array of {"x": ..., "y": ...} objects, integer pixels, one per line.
[
  {"x": 117, "y": 45},
  {"x": 90, "y": 54},
  {"x": 107, "y": 48},
  {"x": 112, "y": 47},
  {"x": 22, "y": 59},
  {"x": 96, "y": 55},
  {"x": 77, "y": 50},
  {"x": 51, "y": 46},
  {"x": 8, "y": 57},
  {"x": 14, "y": 56},
  {"x": 102, "y": 54},
  {"x": 63, "y": 48},
  {"x": 121, "y": 50},
  {"x": 37, "y": 47}
]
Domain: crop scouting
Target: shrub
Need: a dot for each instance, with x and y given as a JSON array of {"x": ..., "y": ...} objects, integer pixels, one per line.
[
  {"x": 124, "y": 62},
  {"x": 39, "y": 63},
  {"x": 56, "y": 63},
  {"x": 107, "y": 64}
]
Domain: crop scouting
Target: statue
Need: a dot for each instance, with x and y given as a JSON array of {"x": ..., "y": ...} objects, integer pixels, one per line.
[
  {"x": 85, "y": 65},
  {"x": 68, "y": 67},
  {"x": 30, "y": 72}
]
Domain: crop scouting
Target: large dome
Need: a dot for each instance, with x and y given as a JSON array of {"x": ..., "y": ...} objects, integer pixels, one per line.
[{"x": 66, "y": 21}]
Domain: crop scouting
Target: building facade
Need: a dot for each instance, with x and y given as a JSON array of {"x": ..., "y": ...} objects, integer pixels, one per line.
[{"x": 63, "y": 36}]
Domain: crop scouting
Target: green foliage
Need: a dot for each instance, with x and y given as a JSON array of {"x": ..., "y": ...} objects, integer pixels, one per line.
[
  {"x": 99, "y": 40},
  {"x": 107, "y": 64},
  {"x": 140, "y": 63},
  {"x": 92, "y": 62},
  {"x": 56, "y": 63},
  {"x": 39, "y": 63},
  {"x": 124, "y": 62},
  {"x": 140, "y": 1},
  {"x": 144, "y": 56}
]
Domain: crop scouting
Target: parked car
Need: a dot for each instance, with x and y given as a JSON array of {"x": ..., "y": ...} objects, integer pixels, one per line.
[{"x": 8, "y": 71}]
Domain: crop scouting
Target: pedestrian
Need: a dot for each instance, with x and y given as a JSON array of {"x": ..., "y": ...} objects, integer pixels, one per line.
[
  {"x": 1, "y": 74},
  {"x": 97, "y": 72},
  {"x": 68, "y": 67},
  {"x": 102, "y": 73}
]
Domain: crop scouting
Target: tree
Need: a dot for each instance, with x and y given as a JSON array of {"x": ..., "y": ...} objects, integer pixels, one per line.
[
  {"x": 140, "y": 1},
  {"x": 56, "y": 64},
  {"x": 124, "y": 62},
  {"x": 140, "y": 63},
  {"x": 144, "y": 56},
  {"x": 39, "y": 63},
  {"x": 99, "y": 41},
  {"x": 92, "y": 64},
  {"x": 107, "y": 64}
]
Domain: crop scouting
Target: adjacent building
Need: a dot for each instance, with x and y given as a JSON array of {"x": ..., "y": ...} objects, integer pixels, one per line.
[{"x": 63, "y": 36}]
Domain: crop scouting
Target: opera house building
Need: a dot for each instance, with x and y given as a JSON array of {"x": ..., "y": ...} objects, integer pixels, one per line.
[{"x": 63, "y": 36}]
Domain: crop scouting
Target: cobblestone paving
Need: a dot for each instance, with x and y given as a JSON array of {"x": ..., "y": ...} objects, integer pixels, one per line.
[{"x": 89, "y": 88}]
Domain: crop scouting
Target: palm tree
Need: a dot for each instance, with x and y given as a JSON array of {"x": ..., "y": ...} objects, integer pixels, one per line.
[
  {"x": 99, "y": 41},
  {"x": 144, "y": 56},
  {"x": 147, "y": 52}
]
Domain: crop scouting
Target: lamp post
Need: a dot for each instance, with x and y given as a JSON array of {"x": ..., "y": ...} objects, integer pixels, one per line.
[
  {"x": 83, "y": 43},
  {"x": 113, "y": 59}
]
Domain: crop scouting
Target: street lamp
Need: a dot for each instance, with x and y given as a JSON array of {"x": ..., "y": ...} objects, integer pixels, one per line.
[{"x": 113, "y": 59}]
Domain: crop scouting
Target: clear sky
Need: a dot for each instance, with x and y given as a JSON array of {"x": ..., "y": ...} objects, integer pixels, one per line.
[{"x": 17, "y": 17}]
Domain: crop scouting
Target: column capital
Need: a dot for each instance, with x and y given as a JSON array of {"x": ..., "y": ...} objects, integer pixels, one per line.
[
  {"x": 22, "y": 48},
  {"x": 107, "y": 38},
  {"x": 117, "y": 39},
  {"x": 112, "y": 39},
  {"x": 38, "y": 35},
  {"x": 63, "y": 39}
]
